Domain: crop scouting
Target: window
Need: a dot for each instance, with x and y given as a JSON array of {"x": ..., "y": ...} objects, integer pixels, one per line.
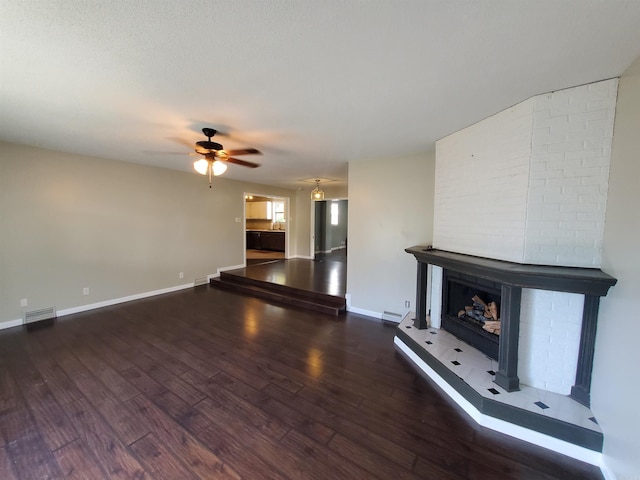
[
  {"x": 335, "y": 213},
  {"x": 278, "y": 212}
]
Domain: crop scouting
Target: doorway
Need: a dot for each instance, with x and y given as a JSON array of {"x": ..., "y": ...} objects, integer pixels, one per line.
[
  {"x": 266, "y": 232},
  {"x": 330, "y": 229}
]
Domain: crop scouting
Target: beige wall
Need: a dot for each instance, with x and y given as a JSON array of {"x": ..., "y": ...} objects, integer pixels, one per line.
[
  {"x": 615, "y": 385},
  {"x": 69, "y": 222},
  {"x": 390, "y": 209}
]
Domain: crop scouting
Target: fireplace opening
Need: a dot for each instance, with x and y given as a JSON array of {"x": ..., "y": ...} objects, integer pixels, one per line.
[{"x": 467, "y": 304}]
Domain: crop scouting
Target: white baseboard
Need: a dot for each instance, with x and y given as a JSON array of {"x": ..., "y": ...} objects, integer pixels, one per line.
[
  {"x": 10, "y": 324},
  {"x": 116, "y": 301},
  {"x": 224, "y": 269},
  {"x": 332, "y": 249},
  {"x": 361, "y": 311},
  {"x": 367, "y": 313},
  {"x": 105, "y": 303},
  {"x": 606, "y": 471},
  {"x": 530, "y": 436}
]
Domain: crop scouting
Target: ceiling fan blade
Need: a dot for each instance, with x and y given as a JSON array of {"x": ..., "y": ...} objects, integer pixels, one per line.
[
  {"x": 244, "y": 163},
  {"x": 243, "y": 151}
]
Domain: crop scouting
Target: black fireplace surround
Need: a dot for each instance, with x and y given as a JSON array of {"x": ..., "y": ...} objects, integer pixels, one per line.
[{"x": 511, "y": 279}]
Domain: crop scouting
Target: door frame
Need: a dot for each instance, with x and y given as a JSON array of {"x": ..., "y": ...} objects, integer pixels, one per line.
[{"x": 287, "y": 216}]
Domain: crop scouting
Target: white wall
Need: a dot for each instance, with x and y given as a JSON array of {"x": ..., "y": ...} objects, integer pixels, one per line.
[
  {"x": 390, "y": 209},
  {"x": 550, "y": 326},
  {"x": 482, "y": 177},
  {"x": 615, "y": 386},
  {"x": 571, "y": 152},
  {"x": 69, "y": 222},
  {"x": 529, "y": 184}
]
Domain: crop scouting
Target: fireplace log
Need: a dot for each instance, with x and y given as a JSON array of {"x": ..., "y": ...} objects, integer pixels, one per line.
[
  {"x": 492, "y": 326},
  {"x": 477, "y": 299},
  {"x": 493, "y": 310}
]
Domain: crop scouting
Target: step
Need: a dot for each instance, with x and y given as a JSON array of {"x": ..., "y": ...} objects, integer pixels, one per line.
[
  {"x": 313, "y": 301},
  {"x": 310, "y": 295}
]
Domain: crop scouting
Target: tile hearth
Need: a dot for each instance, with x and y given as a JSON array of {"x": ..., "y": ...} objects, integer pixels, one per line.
[{"x": 470, "y": 372}]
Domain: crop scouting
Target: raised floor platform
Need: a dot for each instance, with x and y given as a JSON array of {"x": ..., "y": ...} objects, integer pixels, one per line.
[
  {"x": 543, "y": 418},
  {"x": 311, "y": 285}
]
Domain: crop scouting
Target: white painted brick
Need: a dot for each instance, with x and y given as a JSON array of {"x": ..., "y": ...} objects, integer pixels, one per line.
[
  {"x": 549, "y": 339},
  {"x": 547, "y": 160},
  {"x": 436, "y": 296}
]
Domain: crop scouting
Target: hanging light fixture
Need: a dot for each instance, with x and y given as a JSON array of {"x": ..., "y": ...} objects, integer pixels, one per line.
[
  {"x": 206, "y": 166},
  {"x": 316, "y": 193}
]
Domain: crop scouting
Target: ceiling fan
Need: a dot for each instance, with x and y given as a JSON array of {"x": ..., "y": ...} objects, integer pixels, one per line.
[{"x": 216, "y": 157}]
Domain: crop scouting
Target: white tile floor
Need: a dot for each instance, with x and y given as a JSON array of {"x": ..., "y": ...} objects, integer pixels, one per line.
[{"x": 474, "y": 367}]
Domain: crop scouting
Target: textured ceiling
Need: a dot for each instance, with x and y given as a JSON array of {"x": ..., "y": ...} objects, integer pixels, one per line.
[{"x": 312, "y": 84}]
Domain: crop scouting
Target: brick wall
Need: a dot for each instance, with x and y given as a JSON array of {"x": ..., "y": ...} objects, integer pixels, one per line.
[
  {"x": 482, "y": 177},
  {"x": 571, "y": 149},
  {"x": 550, "y": 324},
  {"x": 529, "y": 184}
]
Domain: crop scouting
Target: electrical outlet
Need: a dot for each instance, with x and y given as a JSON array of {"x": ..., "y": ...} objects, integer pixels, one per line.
[
  {"x": 407, "y": 304},
  {"x": 24, "y": 302},
  {"x": 238, "y": 219},
  {"x": 85, "y": 291},
  {"x": 181, "y": 275}
]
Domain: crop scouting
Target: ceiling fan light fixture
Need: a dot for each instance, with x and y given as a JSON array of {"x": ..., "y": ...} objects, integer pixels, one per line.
[
  {"x": 316, "y": 193},
  {"x": 201, "y": 166},
  {"x": 216, "y": 159},
  {"x": 219, "y": 167}
]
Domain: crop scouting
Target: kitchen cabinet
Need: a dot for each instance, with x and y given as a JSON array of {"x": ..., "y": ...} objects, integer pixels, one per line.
[
  {"x": 258, "y": 210},
  {"x": 253, "y": 240},
  {"x": 273, "y": 241},
  {"x": 265, "y": 240}
]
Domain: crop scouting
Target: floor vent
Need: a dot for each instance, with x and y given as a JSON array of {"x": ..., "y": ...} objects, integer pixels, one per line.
[
  {"x": 200, "y": 281},
  {"x": 391, "y": 317},
  {"x": 39, "y": 318}
]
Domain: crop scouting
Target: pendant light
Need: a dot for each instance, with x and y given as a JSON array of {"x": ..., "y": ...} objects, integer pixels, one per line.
[{"x": 316, "y": 193}]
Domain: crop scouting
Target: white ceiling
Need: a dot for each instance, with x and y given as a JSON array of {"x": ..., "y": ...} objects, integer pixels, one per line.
[{"x": 313, "y": 84}]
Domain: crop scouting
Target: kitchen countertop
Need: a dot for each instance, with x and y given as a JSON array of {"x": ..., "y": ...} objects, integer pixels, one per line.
[{"x": 263, "y": 230}]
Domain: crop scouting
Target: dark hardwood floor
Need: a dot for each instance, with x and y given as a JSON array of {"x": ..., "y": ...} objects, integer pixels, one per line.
[
  {"x": 327, "y": 274},
  {"x": 205, "y": 383}
]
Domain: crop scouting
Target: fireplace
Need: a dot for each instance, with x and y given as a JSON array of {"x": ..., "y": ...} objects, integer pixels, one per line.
[
  {"x": 491, "y": 276},
  {"x": 465, "y": 317}
]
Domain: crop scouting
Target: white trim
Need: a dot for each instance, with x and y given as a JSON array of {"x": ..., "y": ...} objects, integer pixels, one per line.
[
  {"x": 362, "y": 311},
  {"x": 106, "y": 303},
  {"x": 115, "y": 301},
  {"x": 606, "y": 471},
  {"x": 332, "y": 249},
  {"x": 224, "y": 269},
  {"x": 10, "y": 324},
  {"x": 531, "y": 436},
  {"x": 305, "y": 257}
]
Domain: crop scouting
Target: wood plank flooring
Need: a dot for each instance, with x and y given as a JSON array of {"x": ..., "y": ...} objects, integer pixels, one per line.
[{"x": 207, "y": 384}]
